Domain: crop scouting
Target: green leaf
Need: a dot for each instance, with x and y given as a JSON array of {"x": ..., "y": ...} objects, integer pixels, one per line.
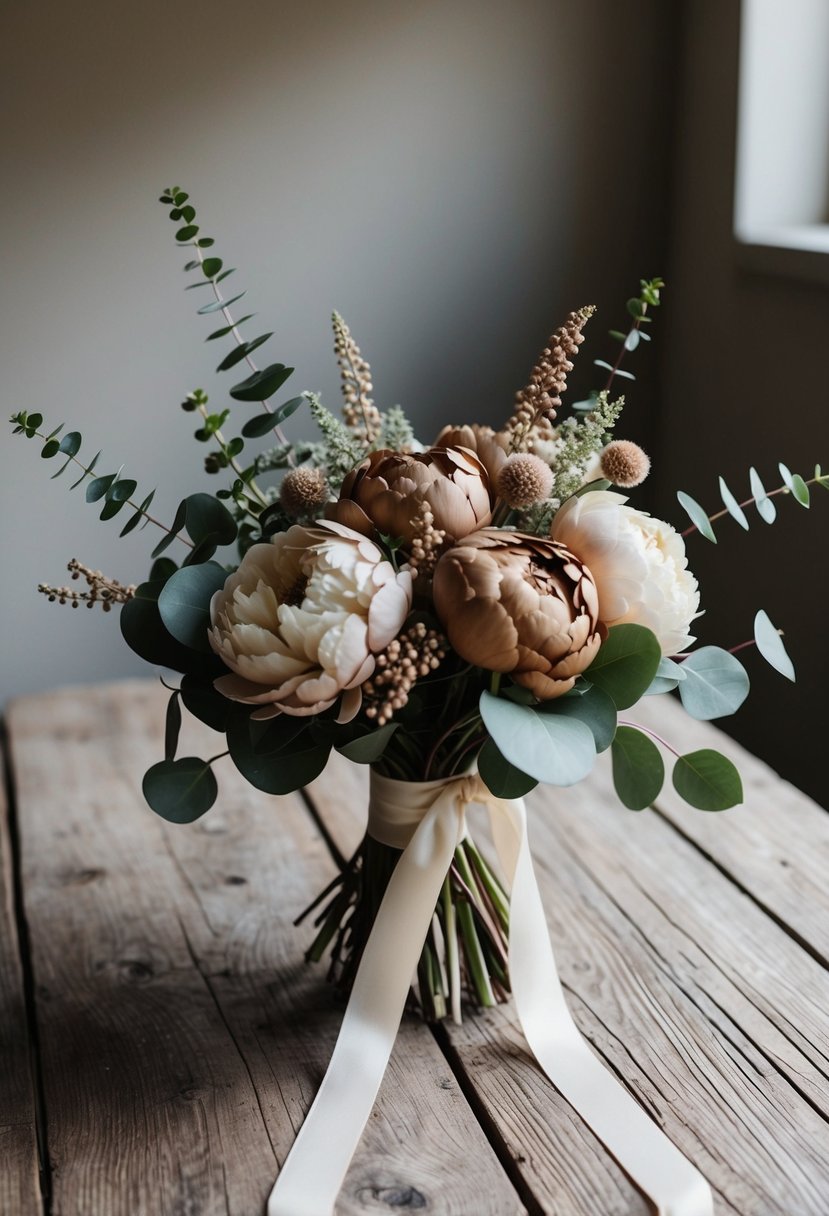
[
  {"x": 732, "y": 506},
  {"x": 70, "y": 445},
  {"x": 715, "y": 684},
  {"x": 33, "y": 421},
  {"x": 187, "y": 233},
  {"x": 286, "y": 410},
  {"x": 800, "y": 490},
  {"x": 370, "y": 747},
  {"x": 180, "y": 791},
  {"x": 770, "y": 645},
  {"x": 180, "y": 198},
  {"x": 205, "y": 242},
  {"x": 697, "y": 515},
  {"x": 277, "y": 756},
  {"x": 98, "y": 487},
  {"x": 208, "y": 521},
  {"x": 765, "y": 507},
  {"x": 635, "y": 307},
  {"x": 218, "y": 305},
  {"x": 194, "y": 265},
  {"x": 111, "y": 508},
  {"x": 161, "y": 569},
  {"x": 203, "y": 701},
  {"x": 135, "y": 519},
  {"x": 668, "y": 676},
  {"x": 211, "y": 267},
  {"x": 172, "y": 726},
  {"x": 262, "y": 384},
  {"x": 226, "y": 329},
  {"x": 144, "y": 631},
  {"x": 188, "y": 214},
  {"x": 241, "y": 352},
  {"x": 175, "y": 528},
  {"x": 503, "y": 779},
  {"x": 225, "y": 273},
  {"x": 626, "y": 664},
  {"x": 50, "y": 448},
  {"x": 122, "y": 489},
  {"x": 707, "y": 780},
  {"x": 785, "y": 473},
  {"x": 184, "y": 603},
  {"x": 257, "y": 426},
  {"x": 555, "y": 749},
  {"x": 590, "y": 705},
  {"x": 608, "y": 367},
  {"x": 638, "y": 768},
  {"x": 86, "y": 471}
]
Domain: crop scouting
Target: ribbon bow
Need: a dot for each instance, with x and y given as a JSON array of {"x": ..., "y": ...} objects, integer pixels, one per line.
[{"x": 427, "y": 820}]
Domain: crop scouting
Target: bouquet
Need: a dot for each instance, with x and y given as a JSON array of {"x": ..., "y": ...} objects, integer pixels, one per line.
[{"x": 486, "y": 608}]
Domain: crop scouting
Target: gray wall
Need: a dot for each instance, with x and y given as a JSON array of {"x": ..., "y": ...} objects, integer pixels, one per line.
[
  {"x": 745, "y": 381},
  {"x": 452, "y": 177}
]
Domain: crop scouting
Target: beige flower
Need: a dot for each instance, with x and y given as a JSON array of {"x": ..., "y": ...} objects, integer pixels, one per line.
[
  {"x": 302, "y": 618},
  {"x": 521, "y": 604},
  {"x": 386, "y": 491},
  {"x": 638, "y": 564}
]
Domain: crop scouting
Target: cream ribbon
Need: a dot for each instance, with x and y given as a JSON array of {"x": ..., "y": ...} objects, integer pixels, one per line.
[{"x": 427, "y": 820}]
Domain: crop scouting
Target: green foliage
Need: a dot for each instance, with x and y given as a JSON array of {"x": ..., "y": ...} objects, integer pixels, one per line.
[
  {"x": 697, "y": 515},
  {"x": 548, "y": 747},
  {"x": 396, "y": 431},
  {"x": 793, "y": 485},
  {"x": 626, "y": 664},
  {"x": 368, "y": 747},
  {"x": 145, "y": 633},
  {"x": 503, "y": 779},
  {"x": 209, "y": 525},
  {"x": 770, "y": 645},
  {"x": 707, "y": 780},
  {"x": 172, "y": 727},
  {"x": 638, "y": 768},
  {"x": 184, "y": 603},
  {"x": 715, "y": 683},
  {"x": 589, "y": 704},
  {"x": 202, "y": 700},
  {"x": 180, "y": 791},
  {"x": 277, "y": 756},
  {"x": 668, "y": 676},
  {"x": 342, "y": 450},
  {"x": 637, "y": 307}
]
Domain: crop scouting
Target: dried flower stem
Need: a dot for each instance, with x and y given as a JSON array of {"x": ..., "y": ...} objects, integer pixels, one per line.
[
  {"x": 356, "y": 385},
  {"x": 102, "y": 590},
  {"x": 539, "y": 399}
]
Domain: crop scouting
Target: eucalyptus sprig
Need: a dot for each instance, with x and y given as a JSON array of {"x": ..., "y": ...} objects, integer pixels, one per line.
[
  {"x": 262, "y": 383},
  {"x": 638, "y": 309},
  {"x": 792, "y": 484}
]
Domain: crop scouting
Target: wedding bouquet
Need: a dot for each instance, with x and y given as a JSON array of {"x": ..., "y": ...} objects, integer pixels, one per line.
[{"x": 468, "y": 618}]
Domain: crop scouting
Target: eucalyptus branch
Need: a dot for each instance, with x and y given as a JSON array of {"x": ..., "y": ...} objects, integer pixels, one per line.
[
  {"x": 818, "y": 480},
  {"x": 231, "y": 459}
]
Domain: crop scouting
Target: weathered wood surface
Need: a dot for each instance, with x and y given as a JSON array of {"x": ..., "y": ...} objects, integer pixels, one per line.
[
  {"x": 182, "y": 1037},
  {"x": 19, "y": 1190}
]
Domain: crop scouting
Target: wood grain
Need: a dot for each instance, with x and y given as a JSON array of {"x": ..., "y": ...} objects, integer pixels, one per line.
[
  {"x": 19, "y": 1186},
  {"x": 183, "y": 1037},
  {"x": 711, "y": 1013},
  {"x": 776, "y": 845}
]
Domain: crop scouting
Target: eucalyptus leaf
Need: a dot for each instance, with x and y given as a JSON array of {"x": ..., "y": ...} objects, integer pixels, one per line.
[
  {"x": 770, "y": 645},
  {"x": 786, "y": 474},
  {"x": 280, "y": 756},
  {"x": 227, "y": 329},
  {"x": 715, "y": 684},
  {"x": 262, "y": 384},
  {"x": 638, "y": 768},
  {"x": 86, "y": 471},
  {"x": 368, "y": 748},
  {"x": 632, "y": 340},
  {"x": 626, "y": 664},
  {"x": 241, "y": 352},
  {"x": 800, "y": 491},
  {"x": 555, "y": 749},
  {"x": 111, "y": 508},
  {"x": 707, "y": 780},
  {"x": 50, "y": 448},
  {"x": 184, "y": 603},
  {"x": 175, "y": 528},
  {"x": 98, "y": 487},
  {"x": 211, "y": 267},
  {"x": 70, "y": 445},
  {"x": 187, "y": 232},
  {"x": 697, "y": 515},
  {"x": 668, "y": 676},
  {"x": 180, "y": 791},
  {"x": 765, "y": 507},
  {"x": 144, "y": 632},
  {"x": 287, "y": 409},
  {"x": 218, "y": 305},
  {"x": 203, "y": 701},
  {"x": 591, "y": 705},
  {"x": 172, "y": 727},
  {"x": 500, "y": 777},
  {"x": 732, "y": 506},
  {"x": 258, "y": 425},
  {"x": 208, "y": 521},
  {"x": 135, "y": 519},
  {"x": 122, "y": 489}
]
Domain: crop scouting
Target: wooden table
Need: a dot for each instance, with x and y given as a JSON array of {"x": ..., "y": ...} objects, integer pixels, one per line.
[{"x": 161, "y": 1037}]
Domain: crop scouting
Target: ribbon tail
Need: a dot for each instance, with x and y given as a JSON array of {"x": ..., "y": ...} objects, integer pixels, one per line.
[
  {"x": 313, "y": 1171},
  {"x": 655, "y": 1165}
]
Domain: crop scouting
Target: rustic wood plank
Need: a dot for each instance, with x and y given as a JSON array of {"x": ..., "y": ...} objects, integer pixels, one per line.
[
  {"x": 561, "y": 1161},
  {"x": 710, "y": 1012},
  {"x": 183, "y": 1037},
  {"x": 19, "y": 1185},
  {"x": 776, "y": 845}
]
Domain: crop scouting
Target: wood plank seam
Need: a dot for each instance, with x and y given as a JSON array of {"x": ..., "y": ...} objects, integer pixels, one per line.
[
  {"x": 811, "y": 950},
  {"x": 24, "y": 955}
]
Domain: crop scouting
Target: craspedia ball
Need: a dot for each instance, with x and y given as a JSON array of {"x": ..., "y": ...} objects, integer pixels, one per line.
[
  {"x": 303, "y": 491},
  {"x": 524, "y": 479},
  {"x": 624, "y": 463}
]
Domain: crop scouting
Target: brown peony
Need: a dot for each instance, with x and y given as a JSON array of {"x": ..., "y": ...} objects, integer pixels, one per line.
[
  {"x": 386, "y": 492},
  {"x": 489, "y": 446},
  {"x": 521, "y": 604}
]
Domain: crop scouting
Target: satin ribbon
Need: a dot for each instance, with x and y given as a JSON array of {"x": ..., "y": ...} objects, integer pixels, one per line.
[{"x": 427, "y": 820}]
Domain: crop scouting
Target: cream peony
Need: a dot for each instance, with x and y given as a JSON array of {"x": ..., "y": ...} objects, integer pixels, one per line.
[
  {"x": 302, "y": 618},
  {"x": 638, "y": 564}
]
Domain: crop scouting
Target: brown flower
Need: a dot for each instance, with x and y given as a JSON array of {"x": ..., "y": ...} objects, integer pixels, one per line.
[
  {"x": 521, "y": 604},
  {"x": 489, "y": 446},
  {"x": 387, "y": 490}
]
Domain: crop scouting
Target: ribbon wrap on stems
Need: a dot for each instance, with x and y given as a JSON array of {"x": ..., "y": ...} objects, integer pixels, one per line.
[{"x": 427, "y": 820}]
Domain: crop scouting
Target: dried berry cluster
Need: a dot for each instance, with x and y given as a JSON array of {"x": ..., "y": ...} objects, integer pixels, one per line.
[
  {"x": 102, "y": 590},
  {"x": 413, "y": 654},
  {"x": 537, "y": 402}
]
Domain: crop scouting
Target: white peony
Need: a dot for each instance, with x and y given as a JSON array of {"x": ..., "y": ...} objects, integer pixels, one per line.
[
  {"x": 302, "y": 618},
  {"x": 638, "y": 564}
]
